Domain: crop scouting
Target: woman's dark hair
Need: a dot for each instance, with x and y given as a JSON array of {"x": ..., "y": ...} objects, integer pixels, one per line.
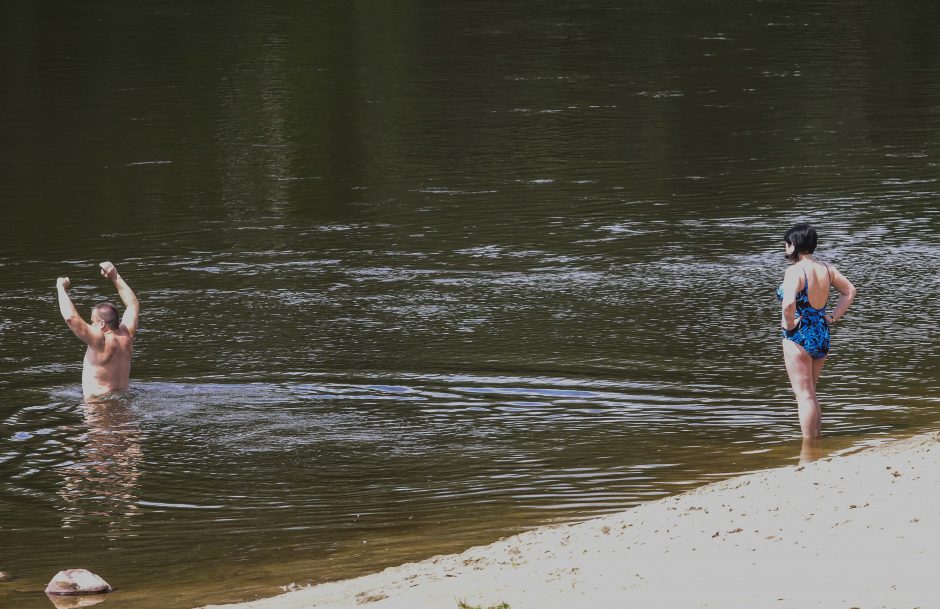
[{"x": 803, "y": 238}]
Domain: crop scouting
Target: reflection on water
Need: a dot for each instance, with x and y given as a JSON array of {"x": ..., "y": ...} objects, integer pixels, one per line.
[
  {"x": 76, "y": 602},
  {"x": 102, "y": 481},
  {"x": 415, "y": 276}
]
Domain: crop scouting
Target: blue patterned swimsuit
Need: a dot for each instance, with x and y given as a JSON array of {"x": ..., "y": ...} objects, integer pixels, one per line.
[{"x": 812, "y": 329}]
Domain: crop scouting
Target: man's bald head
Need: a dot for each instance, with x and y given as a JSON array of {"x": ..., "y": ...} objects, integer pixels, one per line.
[{"x": 107, "y": 313}]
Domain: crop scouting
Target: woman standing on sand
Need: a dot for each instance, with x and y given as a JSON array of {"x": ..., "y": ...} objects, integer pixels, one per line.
[{"x": 805, "y": 325}]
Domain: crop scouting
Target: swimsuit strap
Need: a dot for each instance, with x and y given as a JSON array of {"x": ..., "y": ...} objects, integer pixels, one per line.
[{"x": 805, "y": 283}]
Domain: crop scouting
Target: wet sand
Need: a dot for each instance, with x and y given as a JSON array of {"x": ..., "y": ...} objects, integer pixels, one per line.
[{"x": 861, "y": 530}]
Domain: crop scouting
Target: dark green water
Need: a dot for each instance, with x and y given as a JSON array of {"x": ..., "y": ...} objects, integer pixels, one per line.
[{"x": 418, "y": 275}]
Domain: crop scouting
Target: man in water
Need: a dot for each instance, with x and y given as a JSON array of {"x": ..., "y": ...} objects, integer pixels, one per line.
[{"x": 110, "y": 339}]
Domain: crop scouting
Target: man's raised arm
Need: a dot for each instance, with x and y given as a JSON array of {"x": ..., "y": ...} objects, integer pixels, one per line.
[
  {"x": 70, "y": 314},
  {"x": 131, "y": 305}
]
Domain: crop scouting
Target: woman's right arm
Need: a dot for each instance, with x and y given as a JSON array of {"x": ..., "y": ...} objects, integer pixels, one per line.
[
  {"x": 791, "y": 285},
  {"x": 847, "y": 294}
]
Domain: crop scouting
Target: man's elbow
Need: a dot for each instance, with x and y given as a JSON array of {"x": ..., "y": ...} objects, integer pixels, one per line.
[{"x": 73, "y": 321}]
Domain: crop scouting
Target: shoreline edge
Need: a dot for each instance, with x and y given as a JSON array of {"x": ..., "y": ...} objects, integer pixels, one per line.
[{"x": 859, "y": 530}]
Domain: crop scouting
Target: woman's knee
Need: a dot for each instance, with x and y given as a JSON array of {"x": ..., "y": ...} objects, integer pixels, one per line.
[{"x": 805, "y": 395}]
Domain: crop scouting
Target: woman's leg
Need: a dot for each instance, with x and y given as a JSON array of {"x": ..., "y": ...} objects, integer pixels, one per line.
[
  {"x": 817, "y": 370},
  {"x": 811, "y": 450},
  {"x": 800, "y": 368}
]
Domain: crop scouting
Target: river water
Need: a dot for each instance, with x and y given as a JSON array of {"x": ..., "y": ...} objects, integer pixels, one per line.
[{"x": 418, "y": 275}]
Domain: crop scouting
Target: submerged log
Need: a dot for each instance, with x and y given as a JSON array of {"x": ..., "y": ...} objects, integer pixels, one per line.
[{"x": 77, "y": 581}]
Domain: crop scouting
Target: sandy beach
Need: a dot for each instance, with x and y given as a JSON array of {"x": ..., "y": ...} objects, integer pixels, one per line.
[{"x": 861, "y": 530}]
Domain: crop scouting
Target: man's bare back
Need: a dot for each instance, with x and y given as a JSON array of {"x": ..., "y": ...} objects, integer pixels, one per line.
[{"x": 110, "y": 340}]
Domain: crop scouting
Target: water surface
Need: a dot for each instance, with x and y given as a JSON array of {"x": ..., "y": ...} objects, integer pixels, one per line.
[{"x": 416, "y": 277}]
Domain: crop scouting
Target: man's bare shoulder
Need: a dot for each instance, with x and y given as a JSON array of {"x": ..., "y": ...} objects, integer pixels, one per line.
[
  {"x": 123, "y": 337},
  {"x": 114, "y": 342}
]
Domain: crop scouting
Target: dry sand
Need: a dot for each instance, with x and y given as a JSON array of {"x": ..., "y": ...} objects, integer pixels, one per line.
[{"x": 853, "y": 531}]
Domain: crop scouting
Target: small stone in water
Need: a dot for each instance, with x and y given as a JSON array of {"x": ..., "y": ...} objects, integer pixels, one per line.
[{"x": 77, "y": 581}]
